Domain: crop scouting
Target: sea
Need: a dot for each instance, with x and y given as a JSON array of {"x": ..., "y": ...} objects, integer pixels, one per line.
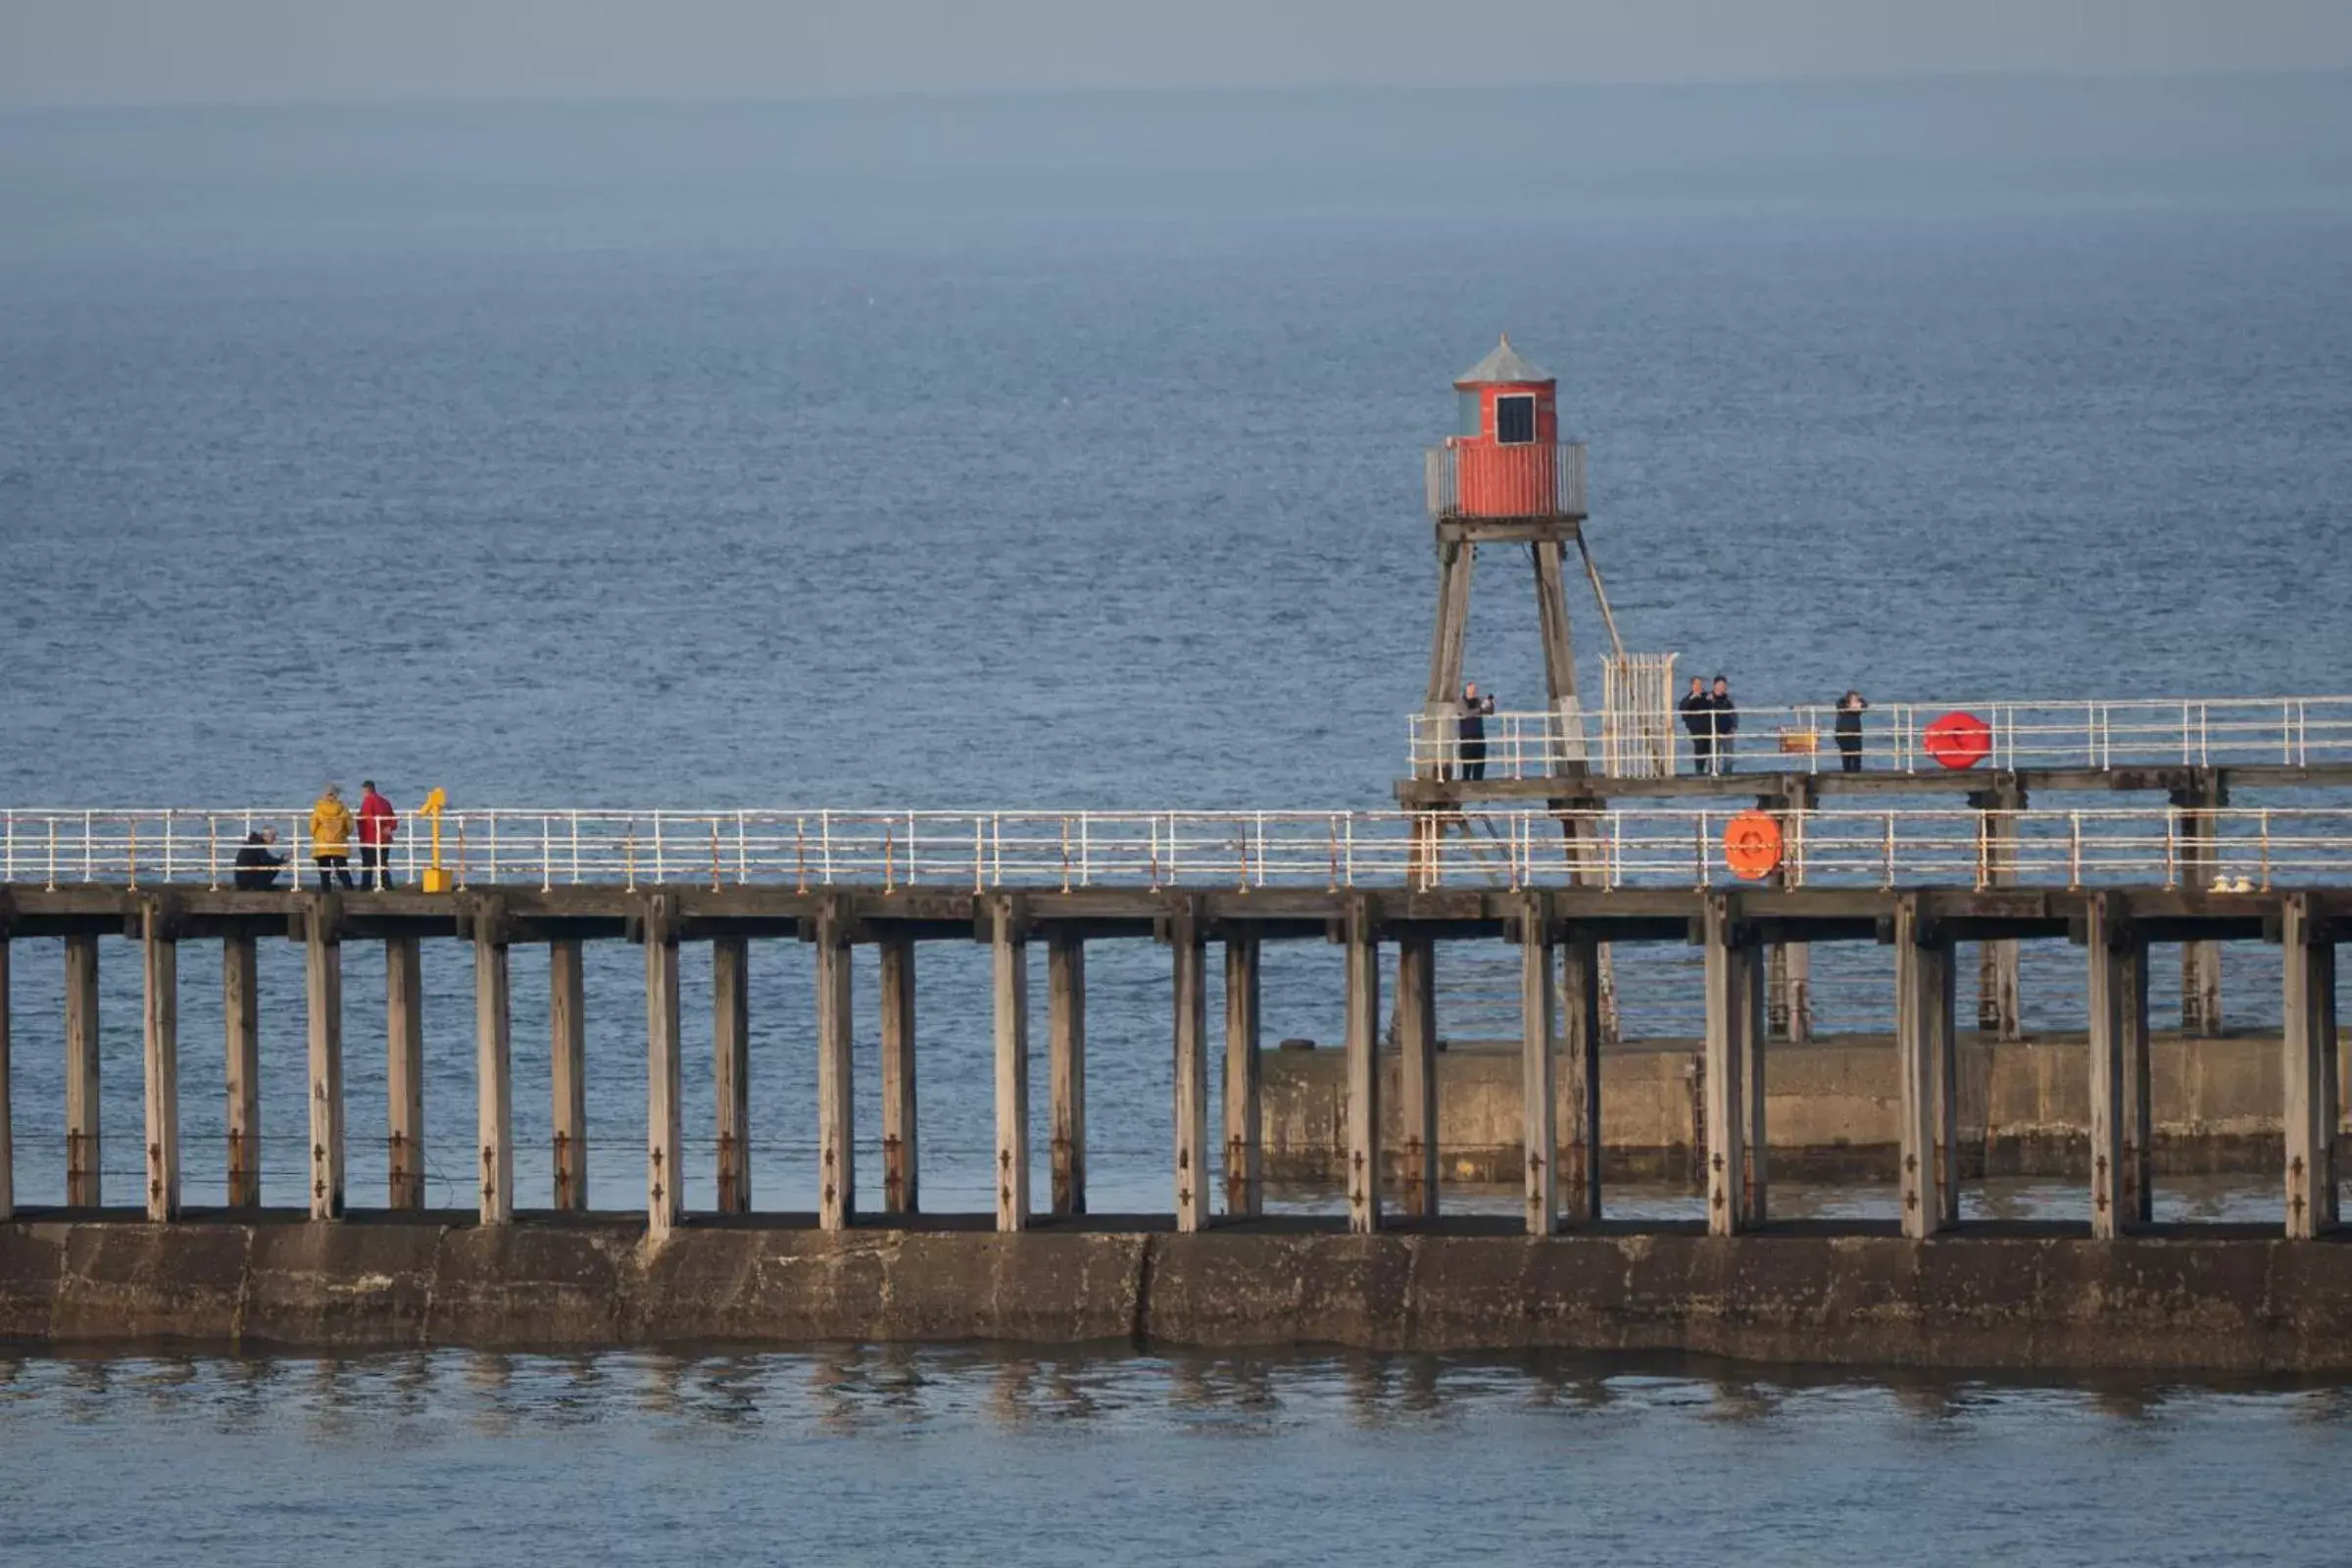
[{"x": 1063, "y": 452}]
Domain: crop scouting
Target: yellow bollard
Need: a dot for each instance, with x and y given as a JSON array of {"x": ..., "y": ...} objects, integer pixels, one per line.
[{"x": 436, "y": 878}]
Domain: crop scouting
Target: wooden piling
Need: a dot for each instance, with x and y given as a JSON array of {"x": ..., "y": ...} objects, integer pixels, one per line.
[
  {"x": 404, "y": 1072},
  {"x": 1245, "y": 1137},
  {"x": 901, "y": 1169},
  {"x": 731, "y": 1070},
  {"x": 1363, "y": 1173},
  {"x": 1417, "y": 1074},
  {"x": 2309, "y": 1060},
  {"x": 493, "y": 1070},
  {"x": 1926, "y": 1128},
  {"x": 568, "y": 1072},
  {"x": 85, "y": 1187},
  {"x": 1580, "y": 1074},
  {"x": 2198, "y": 829},
  {"x": 836, "y": 1080},
  {"x": 161, "y": 1010},
  {"x": 8, "y": 1142},
  {"x": 2118, "y": 1016},
  {"x": 1539, "y": 1087},
  {"x": 241, "y": 1030},
  {"x": 1191, "y": 985},
  {"x": 1734, "y": 1062},
  {"x": 322, "y": 991},
  {"x": 665, "y": 1204},
  {"x": 2136, "y": 1186},
  {"x": 1066, "y": 1067},
  {"x": 2000, "y": 1007},
  {"x": 1009, "y": 963}
]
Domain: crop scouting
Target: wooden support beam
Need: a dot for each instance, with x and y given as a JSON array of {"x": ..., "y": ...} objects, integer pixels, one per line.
[
  {"x": 1539, "y": 1079},
  {"x": 494, "y": 1072},
  {"x": 2136, "y": 1185},
  {"x": 404, "y": 1072},
  {"x": 1245, "y": 1137},
  {"x": 2199, "y": 832},
  {"x": 901, "y": 1169},
  {"x": 2000, "y": 1004},
  {"x": 84, "y": 1188},
  {"x": 1734, "y": 1068},
  {"x": 665, "y": 1202},
  {"x": 322, "y": 991},
  {"x": 8, "y": 1142},
  {"x": 1065, "y": 1068},
  {"x": 2310, "y": 1061},
  {"x": 1008, "y": 948},
  {"x": 836, "y": 1078},
  {"x": 1417, "y": 1074},
  {"x": 1190, "y": 976},
  {"x": 568, "y": 1072},
  {"x": 241, "y": 1031},
  {"x": 2118, "y": 1017},
  {"x": 1789, "y": 992},
  {"x": 1580, "y": 1075},
  {"x": 731, "y": 1069},
  {"x": 1363, "y": 1173},
  {"x": 160, "y": 1020},
  {"x": 1926, "y": 1134}
]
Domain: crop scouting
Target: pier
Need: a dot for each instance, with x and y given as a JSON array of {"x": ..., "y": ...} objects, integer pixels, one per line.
[{"x": 549, "y": 883}]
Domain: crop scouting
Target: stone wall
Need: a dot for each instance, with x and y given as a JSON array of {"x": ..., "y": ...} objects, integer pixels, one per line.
[
  {"x": 2221, "y": 1302},
  {"x": 2025, "y": 1108}
]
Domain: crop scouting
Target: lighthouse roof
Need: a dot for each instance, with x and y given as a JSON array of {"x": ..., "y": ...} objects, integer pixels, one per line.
[{"x": 1502, "y": 363}]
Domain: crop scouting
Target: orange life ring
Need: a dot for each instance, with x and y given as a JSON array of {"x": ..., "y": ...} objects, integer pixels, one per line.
[{"x": 1752, "y": 846}]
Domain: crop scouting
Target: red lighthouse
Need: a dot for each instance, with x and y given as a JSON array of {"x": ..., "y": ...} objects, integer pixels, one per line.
[{"x": 1505, "y": 459}]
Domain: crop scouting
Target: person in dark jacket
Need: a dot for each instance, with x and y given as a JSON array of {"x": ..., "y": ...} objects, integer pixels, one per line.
[
  {"x": 1698, "y": 719},
  {"x": 1726, "y": 723},
  {"x": 1850, "y": 709},
  {"x": 257, "y": 868},
  {"x": 1475, "y": 710}
]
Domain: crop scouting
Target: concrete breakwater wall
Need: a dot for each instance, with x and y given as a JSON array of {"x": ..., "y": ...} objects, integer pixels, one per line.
[
  {"x": 2207, "y": 1301},
  {"x": 1833, "y": 1109}
]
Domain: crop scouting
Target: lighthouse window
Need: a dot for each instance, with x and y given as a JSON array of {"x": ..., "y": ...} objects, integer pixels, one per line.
[{"x": 1514, "y": 422}]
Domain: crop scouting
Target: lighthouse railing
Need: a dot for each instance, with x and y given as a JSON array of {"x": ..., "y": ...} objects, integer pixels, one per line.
[
  {"x": 1900, "y": 737},
  {"x": 1482, "y": 481}
]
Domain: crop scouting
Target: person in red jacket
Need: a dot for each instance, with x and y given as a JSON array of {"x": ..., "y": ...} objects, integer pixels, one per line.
[{"x": 377, "y": 824}]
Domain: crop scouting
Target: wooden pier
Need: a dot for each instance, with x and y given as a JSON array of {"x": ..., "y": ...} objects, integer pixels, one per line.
[{"x": 1558, "y": 932}]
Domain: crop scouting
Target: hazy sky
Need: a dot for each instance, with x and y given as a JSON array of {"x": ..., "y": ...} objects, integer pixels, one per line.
[{"x": 217, "y": 51}]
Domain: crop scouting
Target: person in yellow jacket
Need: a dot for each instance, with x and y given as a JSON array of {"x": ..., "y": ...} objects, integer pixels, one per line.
[{"x": 330, "y": 838}]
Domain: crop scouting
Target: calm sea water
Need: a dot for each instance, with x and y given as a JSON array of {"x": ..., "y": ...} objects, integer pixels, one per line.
[{"x": 1066, "y": 453}]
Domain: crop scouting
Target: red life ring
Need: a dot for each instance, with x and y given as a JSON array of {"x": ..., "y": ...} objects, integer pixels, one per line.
[
  {"x": 1752, "y": 846},
  {"x": 1958, "y": 740}
]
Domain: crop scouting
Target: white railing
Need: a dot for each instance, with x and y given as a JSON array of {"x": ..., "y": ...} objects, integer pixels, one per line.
[
  {"x": 1544, "y": 479},
  {"x": 2246, "y": 848},
  {"x": 2199, "y": 732}
]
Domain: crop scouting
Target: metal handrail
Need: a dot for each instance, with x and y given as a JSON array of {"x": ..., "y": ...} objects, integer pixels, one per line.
[
  {"x": 1539, "y": 479},
  {"x": 975, "y": 851},
  {"x": 2170, "y": 732}
]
